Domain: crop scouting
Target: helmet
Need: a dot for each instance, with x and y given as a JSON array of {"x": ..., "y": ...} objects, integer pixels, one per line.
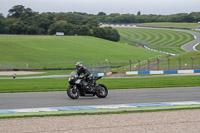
[{"x": 79, "y": 65}]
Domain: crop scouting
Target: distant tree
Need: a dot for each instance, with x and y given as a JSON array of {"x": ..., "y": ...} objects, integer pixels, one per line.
[
  {"x": 138, "y": 13},
  {"x": 42, "y": 22},
  {"x": 69, "y": 29},
  {"x": 124, "y": 18},
  {"x": 1, "y": 16},
  {"x": 84, "y": 30},
  {"x": 19, "y": 11},
  {"x": 99, "y": 32},
  {"x": 7, "y": 22},
  {"x": 106, "y": 33},
  {"x": 1, "y": 23},
  {"x": 92, "y": 24},
  {"x": 141, "y": 19},
  {"x": 17, "y": 28},
  {"x": 194, "y": 16},
  {"x": 74, "y": 29},
  {"x": 116, "y": 36},
  {"x": 16, "y": 11},
  {"x": 101, "y": 14},
  {"x": 28, "y": 12},
  {"x": 62, "y": 26},
  {"x": 59, "y": 26},
  {"x": 111, "y": 34},
  {"x": 33, "y": 30},
  {"x": 114, "y": 14}
]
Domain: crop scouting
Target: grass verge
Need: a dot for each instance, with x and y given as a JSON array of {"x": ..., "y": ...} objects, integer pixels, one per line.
[
  {"x": 198, "y": 47},
  {"x": 46, "y": 73},
  {"x": 100, "y": 111},
  {"x": 60, "y": 84}
]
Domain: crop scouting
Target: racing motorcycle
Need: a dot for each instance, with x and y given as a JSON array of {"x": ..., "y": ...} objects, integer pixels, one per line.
[{"x": 79, "y": 87}]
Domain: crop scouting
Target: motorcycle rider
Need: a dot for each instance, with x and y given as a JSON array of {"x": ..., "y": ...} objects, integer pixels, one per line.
[{"x": 83, "y": 72}]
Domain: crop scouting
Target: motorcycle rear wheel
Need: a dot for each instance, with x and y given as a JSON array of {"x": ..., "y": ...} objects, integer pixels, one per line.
[
  {"x": 102, "y": 92},
  {"x": 73, "y": 92}
]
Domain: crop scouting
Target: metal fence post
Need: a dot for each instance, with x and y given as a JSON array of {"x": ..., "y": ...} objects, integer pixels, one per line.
[
  {"x": 109, "y": 66},
  {"x": 102, "y": 67},
  {"x": 98, "y": 67},
  {"x": 158, "y": 63},
  {"x": 139, "y": 64},
  {"x": 148, "y": 65},
  {"x": 179, "y": 63},
  {"x": 192, "y": 63},
  {"x": 168, "y": 64},
  {"x": 130, "y": 65}
]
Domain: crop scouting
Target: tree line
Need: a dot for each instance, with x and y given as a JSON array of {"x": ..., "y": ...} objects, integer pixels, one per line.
[
  {"x": 21, "y": 20},
  {"x": 143, "y": 18}
]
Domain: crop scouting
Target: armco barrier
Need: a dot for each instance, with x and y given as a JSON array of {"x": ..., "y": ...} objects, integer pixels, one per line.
[{"x": 163, "y": 72}]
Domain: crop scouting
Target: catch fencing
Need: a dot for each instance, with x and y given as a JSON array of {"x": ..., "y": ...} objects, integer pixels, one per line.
[
  {"x": 36, "y": 65},
  {"x": 94, "y": 67},
  {"x": 155, "y": 63},
  {"x": 165, "y": 64}
]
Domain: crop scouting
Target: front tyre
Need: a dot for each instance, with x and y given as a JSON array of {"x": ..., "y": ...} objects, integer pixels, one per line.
[
  {"x": 102, "y": 91},
  {"x": 73, "y": 92}
]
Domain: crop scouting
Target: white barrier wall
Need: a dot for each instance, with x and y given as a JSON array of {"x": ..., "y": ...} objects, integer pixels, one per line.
[{"x": 163, "y": 72}]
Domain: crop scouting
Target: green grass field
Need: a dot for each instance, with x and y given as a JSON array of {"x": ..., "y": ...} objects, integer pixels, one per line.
[
  {"x": 198, "y": 47},
  {"x": 160, "y": 39},
  {"x": 46, "y": 73},
  {"x": 178, "y": 25},
  {"x": 61, "y": 84},
  {"x": 55, "y": 51}
]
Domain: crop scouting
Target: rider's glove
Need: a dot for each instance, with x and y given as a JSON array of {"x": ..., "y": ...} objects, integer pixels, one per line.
[{"x": 81, "y": 76}]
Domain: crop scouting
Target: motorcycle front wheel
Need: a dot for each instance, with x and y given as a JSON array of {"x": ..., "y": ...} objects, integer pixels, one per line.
[
  {"x": 102, "y": 91},
  {"x": 73, "y": 92}
]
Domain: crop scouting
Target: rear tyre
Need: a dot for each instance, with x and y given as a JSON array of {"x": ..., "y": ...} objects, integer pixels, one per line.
[
  {"x": 73, "y": 92},
  {"x": 102, "y": 91}
]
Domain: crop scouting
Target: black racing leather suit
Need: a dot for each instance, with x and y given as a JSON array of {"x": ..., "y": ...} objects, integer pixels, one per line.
[{"x": 84, "y": 71}]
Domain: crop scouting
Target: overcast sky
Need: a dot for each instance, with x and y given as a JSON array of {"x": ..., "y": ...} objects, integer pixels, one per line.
[{"x": 108, "y": 6}]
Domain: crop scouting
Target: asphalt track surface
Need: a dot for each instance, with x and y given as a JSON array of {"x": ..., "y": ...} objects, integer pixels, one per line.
[
  {"x": 191, "y": 45},
  {"x": 121, "y": 96}
]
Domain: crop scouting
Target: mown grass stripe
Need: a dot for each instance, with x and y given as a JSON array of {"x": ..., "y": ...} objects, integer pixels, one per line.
[
  {"x": 162, "y": 40},
  {"x": 159, "y": 37},
  {"x": 154, "y": 37},
  {"x": 177, "y": 38},
  {"x": 171, "y": 39}
]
